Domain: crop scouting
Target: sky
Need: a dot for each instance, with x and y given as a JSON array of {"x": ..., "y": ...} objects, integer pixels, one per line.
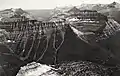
[{"x": 47, "y": 4}]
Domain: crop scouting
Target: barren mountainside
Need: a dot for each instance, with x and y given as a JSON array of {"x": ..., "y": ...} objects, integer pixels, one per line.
[
  {"x": 14, "y": 14},
  {"x": 79, "y": 41}
]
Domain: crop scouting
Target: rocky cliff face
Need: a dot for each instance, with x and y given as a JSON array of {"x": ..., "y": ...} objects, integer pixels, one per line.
[
  {"x": 64, "y": 42},
  {"x": 80, "y": 68},
  {"x": 112, "y": 9},
  {"x": 11, "y": 15}
]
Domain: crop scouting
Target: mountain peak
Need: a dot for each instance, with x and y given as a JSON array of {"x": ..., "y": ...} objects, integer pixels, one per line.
[
  {"x": 74, "y": 9},
  {"x": 14, "y": 14},
  {"x": 114, "y": 3}
]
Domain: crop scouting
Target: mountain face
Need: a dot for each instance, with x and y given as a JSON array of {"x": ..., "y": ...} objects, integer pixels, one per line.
[
  {"x": 84, "y": 24},
  {"x": 112, "y": 9},
  {"x": 61, "y": 44},
  {"x": 96, "y": 7},
  {"x": 84, "y": 20},
  {"x": 100, "y": 7},
  {"x": 14, "y": 14}
]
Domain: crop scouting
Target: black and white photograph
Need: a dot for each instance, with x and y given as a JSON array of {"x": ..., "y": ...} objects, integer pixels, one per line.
[{"x": 59, "y": 37}]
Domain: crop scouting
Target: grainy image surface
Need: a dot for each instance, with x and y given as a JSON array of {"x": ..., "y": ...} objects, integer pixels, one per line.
[{"x": 59, "y": 38}]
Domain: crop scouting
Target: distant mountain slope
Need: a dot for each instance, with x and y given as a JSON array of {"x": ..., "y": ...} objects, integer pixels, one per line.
[
  {"x": 42, "y": 14},
  {"x": 14, "y": 14},
  {"x": 112, "y": 9},
  {"x": 97, "y": 7}
]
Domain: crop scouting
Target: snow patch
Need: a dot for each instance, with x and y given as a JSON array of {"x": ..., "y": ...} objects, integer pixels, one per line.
[
  {"x": 76, "y": 31},
  {"x": 33, "y": 69}
]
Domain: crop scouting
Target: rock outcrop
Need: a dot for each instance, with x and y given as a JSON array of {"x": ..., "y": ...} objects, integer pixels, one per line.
[{"x": 11, "y": 15}]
